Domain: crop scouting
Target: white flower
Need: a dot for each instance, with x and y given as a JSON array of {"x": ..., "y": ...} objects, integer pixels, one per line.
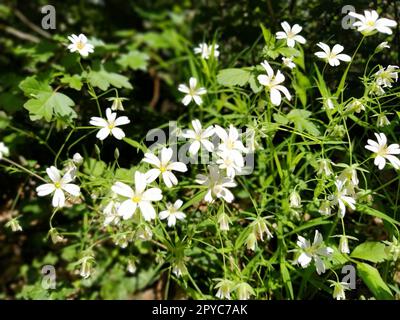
[
  {"x": 333, "y": 56},
  {"x": 324, "y": 167},
  {"x": 381, "y": 46},
  {"x": 4, "y": 151},
  {"x": 58, "y": 186},
  {"x": 199, "y": 136},
  {"x": 342, "y": 198},
  {"x": 251, "y": 241},
  {"x": 172, "y": 213},
  {"x": 349, "y": 175},
  {"x": 77, "y": 159},
  {"x": 223, "y": 220},
  {"x": 207, "y": 50},
  {"x": 272, "y": 82},
  {"x": 314, "y": 251},
  {"x": 385, "y": 77},
  {"x": 109, "y": 125},
  {"x": 344, "y": 245},
  {"x": 217, "y": 185},
  {"x": 80, "y": 44},
  {"x": 179, "y": 268},
  {"x": 111, "y": 213},
  {"x": 288, "y": 62},
  {"x": 260, "y": 227},
  {"x": 229, "y": 162},
  {"x": 140, "y": 197},
  {"x": 164, "y": 167},
  {"x": 338, "y": 289},
  {"x": 325, "y": 208},
  {"x": 117, "y": 103},
  {"x": 230, "y": 139},
  {"x": 295, "y": 200},
  {"x": 355, "y": 106},
  {"x": 131, "y": 267},
  {"x": 224, "y": 287},
  {"x": 192, "y": 92},
  {"x": 382, "y": 120},
  {"x": 244, "y": 291},
  {"x": 14, "y": 225},
  {"x": 370, "y": 23},
  {"x": 383, "y": 152},
  {"x": 290, "y": 34}
]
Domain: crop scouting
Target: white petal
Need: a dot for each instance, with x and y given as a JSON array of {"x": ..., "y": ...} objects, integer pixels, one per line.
[
  {"x": 121, "y": 121},
  {"x": 118, "y": 133},
  {"x": 103, "y": 133},
  {"x": 72, "y": 189},
  {"x": 58, "y": 199},
  {"x": 147, "y": 210},
  {"x": 152, "y": 194},
  {"x": 45, "y": 189},
  {"x": 177, "y": 166},
  {"x": 152, "y": 175},
  {"x": 122, "y": 189},
  {"x": 127, "y": 209},
  {"x": 54, "y": 174}
]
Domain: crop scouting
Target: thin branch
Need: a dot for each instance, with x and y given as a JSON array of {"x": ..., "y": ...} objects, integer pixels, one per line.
[
  {"x": 31, "y": 25},
  {"x": 19, "y": 34}
]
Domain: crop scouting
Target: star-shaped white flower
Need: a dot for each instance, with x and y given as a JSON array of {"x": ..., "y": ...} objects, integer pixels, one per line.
[
  {"x": 199, "y": 136},
  {"x": 384, "y": 77},
  {"x": 291, "y": 34},
  {"x": 164, "y": 167},
  {"x": 192, "y": 92},
  {"x": 206, "y": 51},
  {"x": 110, "y": 125},
  {"x": 370, "y": 23},
  {"x": 288, "y": 62},
  {"x": 229, "y": 162},
  {"x": 110, "y": 212},
  {"x": 4, "y": 151},
  {"x": 342, "y": 198},
  {"x": 59, "y": 185},
  {"x": 140, "y": 197},
  {"x": 217, "y": 185},
  {"x": 231, "y": 145},
  {"x": 173, "y": 213},
  {"x": 314, "y": 251},
  {"x": 80, "y": 43},
  {"x": 382, "y": 152},
  {"x": 333, "y": 56},
  {"x": 272, "y": 82}
]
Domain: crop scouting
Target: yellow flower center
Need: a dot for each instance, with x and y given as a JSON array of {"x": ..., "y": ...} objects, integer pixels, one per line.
[
  {"x": 57, "y": 185},
  {"x": 371, "y": 23},
  {"x": 163, "y": 169},
  {"x": 80, "y": 45},
  {"x": 111, "y": 125},
  {"x": 136, "y": 199}
]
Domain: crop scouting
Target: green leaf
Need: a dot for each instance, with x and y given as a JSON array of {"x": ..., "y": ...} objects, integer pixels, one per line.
[
  {"x": 103, "y": 79},
  {"x": 286, "y": 279},
  {"x": 94, "y": 167},
  {"x": 268, "y": 36},
  {"x": 31, "y": 86},
  {"x": 74, "y": 81},
  {"x": 233, "y": 77},
  {"x": 254, "y": 85},
  {"x": 288, "y": 52},
  {"x": 371, "y": 251},
  {"x": 46, "y": 104},
  {"x": 299, "y": 118},
  {"x": 279, "y": 118},
  {"x": 135, "y": 144},
  {"x": 135, "y": 60},
  {"x": 375, "y": 213},
  {"x": 374, "y": 281}
]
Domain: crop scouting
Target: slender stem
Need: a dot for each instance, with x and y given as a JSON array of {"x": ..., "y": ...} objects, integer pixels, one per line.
[{"x": 24, "y": 169}]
